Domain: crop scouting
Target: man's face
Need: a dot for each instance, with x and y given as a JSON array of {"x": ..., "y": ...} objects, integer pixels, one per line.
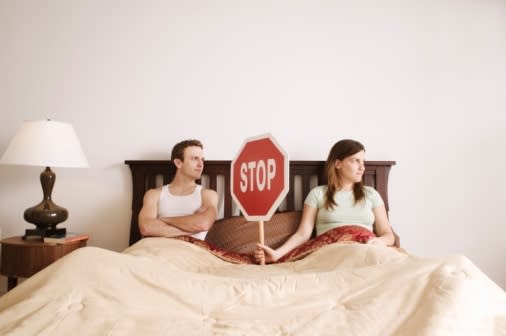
[{"x": 193, "y": 162}]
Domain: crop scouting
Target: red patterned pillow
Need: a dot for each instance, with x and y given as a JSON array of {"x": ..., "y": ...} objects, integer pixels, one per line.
[{"x": 343, "y": 234}]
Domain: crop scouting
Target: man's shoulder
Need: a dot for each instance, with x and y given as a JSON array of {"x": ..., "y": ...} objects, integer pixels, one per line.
[
  {"x": 209, "y": 191},
  {"x": 153, "y": 191},
  {"x": 157, "y": 189},
  {"x": 209, "y": 195}
]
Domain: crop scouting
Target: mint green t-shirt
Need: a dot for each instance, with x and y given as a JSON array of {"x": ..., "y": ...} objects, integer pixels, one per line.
[{"x": 346, "y": 212}]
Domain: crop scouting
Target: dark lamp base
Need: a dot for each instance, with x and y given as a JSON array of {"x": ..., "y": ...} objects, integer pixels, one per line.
[
  {"x": 45, "y": 215},
  {"x": 41, "y": 233}
]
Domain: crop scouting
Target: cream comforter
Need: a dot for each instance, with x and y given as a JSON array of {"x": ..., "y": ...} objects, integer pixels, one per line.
[{"x": 169, "y": 287}]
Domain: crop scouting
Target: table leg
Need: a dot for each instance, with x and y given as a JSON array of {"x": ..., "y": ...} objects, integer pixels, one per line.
[{"x": 11, "y": 283}]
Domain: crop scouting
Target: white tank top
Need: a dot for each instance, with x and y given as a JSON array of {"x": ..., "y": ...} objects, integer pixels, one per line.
[{"x": 171, "y": 206}]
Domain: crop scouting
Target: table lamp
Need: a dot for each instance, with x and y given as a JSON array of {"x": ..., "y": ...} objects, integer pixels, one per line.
[{"x": 45, "y": 143}]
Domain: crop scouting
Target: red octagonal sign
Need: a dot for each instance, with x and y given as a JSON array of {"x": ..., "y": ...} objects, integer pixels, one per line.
[{"x": 259, "y": 177}]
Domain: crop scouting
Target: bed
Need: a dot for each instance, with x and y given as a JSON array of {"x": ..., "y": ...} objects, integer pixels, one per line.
[{"x": 161, "y": 286}]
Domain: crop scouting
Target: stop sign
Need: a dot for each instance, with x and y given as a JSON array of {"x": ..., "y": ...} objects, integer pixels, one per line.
[{"x": 259, "y": 177}]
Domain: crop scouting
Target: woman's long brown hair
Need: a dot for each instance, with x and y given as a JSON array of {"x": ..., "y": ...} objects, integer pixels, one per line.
[{"x": 341, "y": 150}]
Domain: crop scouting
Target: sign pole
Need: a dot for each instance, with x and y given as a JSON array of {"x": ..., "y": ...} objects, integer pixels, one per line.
[{"x": 261, "y": 238}]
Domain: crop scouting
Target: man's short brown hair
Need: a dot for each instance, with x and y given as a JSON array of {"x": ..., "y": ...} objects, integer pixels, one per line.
[{"x": 178, "y": 149}]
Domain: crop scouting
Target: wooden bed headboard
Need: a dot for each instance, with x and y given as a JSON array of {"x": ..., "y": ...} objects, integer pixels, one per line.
[{"x": 304, "y": 175}]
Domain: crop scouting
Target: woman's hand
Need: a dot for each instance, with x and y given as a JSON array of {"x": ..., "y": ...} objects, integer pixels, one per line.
[{"x": 262, "y": 251}]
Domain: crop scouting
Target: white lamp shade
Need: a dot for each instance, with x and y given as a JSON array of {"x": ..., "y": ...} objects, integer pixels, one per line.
[{"x": 45, "y": 143}]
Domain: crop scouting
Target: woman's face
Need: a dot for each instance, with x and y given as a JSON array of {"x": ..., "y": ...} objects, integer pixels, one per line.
[{"x": 351, "y": 169}]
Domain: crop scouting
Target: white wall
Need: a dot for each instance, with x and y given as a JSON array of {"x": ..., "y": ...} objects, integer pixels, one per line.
[{"x": 419, "y": 82}]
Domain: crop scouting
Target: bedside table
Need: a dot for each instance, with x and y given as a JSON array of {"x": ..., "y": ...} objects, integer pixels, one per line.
[{"x": 23, "y": 258}]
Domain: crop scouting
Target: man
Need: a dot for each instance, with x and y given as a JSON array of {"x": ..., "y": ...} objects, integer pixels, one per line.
[{"x": 182, "y": 207}]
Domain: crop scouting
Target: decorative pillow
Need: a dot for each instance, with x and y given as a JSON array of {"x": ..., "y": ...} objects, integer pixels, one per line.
[{"x": 239, "y": 235}]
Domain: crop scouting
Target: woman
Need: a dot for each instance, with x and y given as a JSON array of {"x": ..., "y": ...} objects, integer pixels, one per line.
[{"x": 343, "y": 201}]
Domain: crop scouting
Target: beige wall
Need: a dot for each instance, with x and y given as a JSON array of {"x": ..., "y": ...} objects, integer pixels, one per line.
[{"x": 419, "y": 82}]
